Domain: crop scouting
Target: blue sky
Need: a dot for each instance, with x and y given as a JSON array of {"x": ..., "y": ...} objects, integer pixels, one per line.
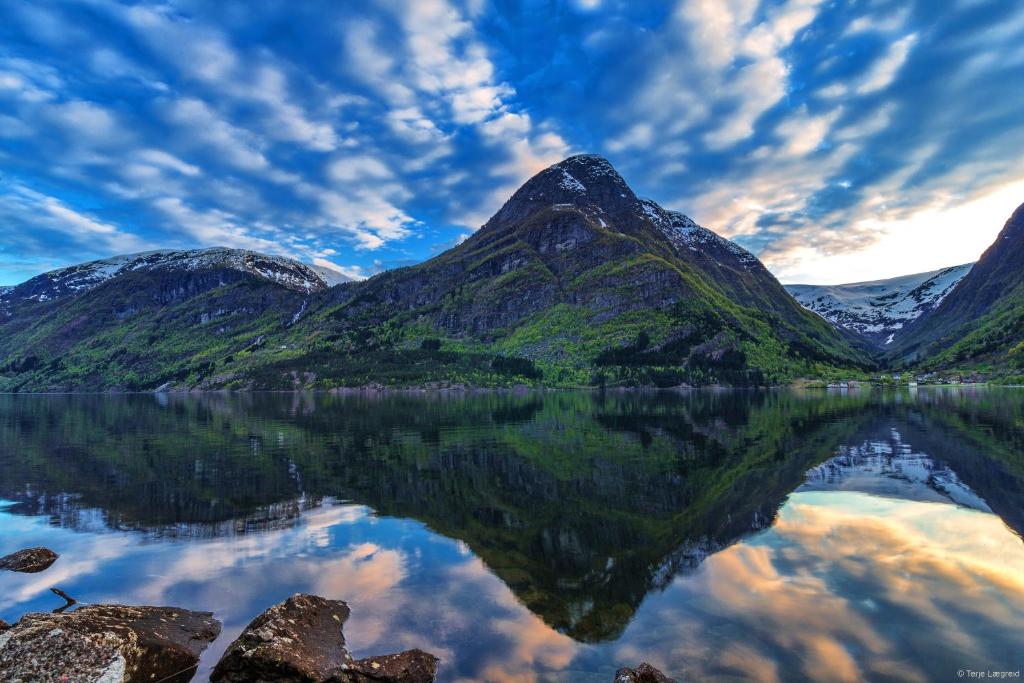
[{"x": 837, "y": 140}]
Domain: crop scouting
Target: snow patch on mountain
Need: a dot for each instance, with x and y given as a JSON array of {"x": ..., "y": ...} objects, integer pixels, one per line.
[
  {"x": 890, "y": 467},
  {"x": 569, "y": 182},
  {"x": 880, "y": 309},
  {"x": 684, "y": 233}
]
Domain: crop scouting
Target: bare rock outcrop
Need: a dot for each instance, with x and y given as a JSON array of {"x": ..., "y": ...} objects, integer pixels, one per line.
[
  {"x": 645, "y": 673},
  {"x": 300, "y": 641},
  {"x": 106, "y": 644},
  {"x": 29, "y": 560}
]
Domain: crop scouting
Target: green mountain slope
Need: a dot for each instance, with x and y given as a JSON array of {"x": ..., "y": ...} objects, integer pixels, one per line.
[
  {"x": 981, "y": 322},
  {"x": 151, "y": 325},
  {"x": 574, "y": 281}
]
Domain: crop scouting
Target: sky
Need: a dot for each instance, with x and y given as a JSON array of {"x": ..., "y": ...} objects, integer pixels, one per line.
[{"x": 839, "y": 141}]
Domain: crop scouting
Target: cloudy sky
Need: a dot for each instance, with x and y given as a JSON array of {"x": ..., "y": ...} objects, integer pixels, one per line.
[{"x": 839, "y": 141}]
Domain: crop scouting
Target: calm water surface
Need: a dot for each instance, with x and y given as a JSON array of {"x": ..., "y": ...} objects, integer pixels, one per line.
[{"x": 726, "y": 536}]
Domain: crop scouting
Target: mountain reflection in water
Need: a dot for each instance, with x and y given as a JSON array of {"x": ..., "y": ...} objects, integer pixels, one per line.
[{"x": 548, "y": 536}]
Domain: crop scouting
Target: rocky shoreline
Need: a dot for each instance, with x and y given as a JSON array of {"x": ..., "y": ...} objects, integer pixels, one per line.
[{"x": 300, "y": 640}]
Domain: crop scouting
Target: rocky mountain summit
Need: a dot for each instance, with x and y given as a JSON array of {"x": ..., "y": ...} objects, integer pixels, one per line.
[{"x": 880, "y": 310}]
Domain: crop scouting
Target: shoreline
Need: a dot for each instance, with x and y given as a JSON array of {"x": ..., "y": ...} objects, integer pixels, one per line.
[{"x": 372, "y": 390}]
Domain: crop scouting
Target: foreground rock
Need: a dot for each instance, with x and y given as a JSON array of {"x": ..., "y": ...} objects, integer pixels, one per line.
[
  {"x": 29, "y": 561},
  {"x": 411, "y": 666},
  {"x": 645, "y": 673},
  {"x": 107, "y": 644},
  {"x": 4, "y": 626},
  {"x": 300, "y": 641}
]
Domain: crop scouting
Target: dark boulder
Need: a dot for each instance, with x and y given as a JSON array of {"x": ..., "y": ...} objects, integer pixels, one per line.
[
  {"x": 411, "y": 666},
  {"x": 300, "y": 641},
  {"x": 4, "y": 625},
  {"x": 29, "y": 560},
  {"x": 645, "y": 673},
  {"x": 108, "y": 643}
]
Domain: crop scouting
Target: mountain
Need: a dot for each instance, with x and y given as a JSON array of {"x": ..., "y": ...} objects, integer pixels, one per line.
[
  {"x": 880, "y": 310},
  {"x": 78, "y": 279},
  {"x": 575, "y": 280},
  {"x": 143, "y": 320},
  {"x": 981, "y": 322}
]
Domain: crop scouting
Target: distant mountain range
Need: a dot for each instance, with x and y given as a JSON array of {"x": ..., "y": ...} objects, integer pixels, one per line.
[
  {"x": 574, "y": 281},
  {"x": 880, "y": 310}
]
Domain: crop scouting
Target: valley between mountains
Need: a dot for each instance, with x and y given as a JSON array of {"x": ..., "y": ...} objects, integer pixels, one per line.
[{"x": 575, "y": 281}]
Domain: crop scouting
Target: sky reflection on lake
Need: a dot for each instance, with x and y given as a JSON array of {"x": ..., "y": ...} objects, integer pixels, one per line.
[{"x": 830, "y": 583}]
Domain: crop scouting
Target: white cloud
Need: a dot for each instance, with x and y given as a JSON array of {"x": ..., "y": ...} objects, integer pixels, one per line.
[
  {"x": 203, "y": 126},
  {"x": 639, "y": 135},
  {"x": 412, "y": 126},
  {"x": 364, "y": 215},
  {"x": 286, "y": 121},
  {"x": 109, "y": 63},
  {"x": 214, "y": 227},
  {"x": 372, "y": 64},
  {"x": 85, "y": 120},
  {"x": 358, "y": 167},
  {"x": 956, "y": 230},
  {"x": 20, "y": 205},
  {"x": 446, "y": 78},
  {"x": 162, "y": 159},
  {"x": 884, "y": 70},
  {"x": 204, "y": 54},
  {"x": 879, "y": 23},
  {"x": 354, "y": 272},
  {"x": 803, "y": 133},
  {"x": 717, "y": 65},
  {"x": 756, "y": 87}
]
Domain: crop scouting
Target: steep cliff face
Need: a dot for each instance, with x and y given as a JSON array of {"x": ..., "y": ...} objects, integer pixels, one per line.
[{"x": 982, "y": 319}]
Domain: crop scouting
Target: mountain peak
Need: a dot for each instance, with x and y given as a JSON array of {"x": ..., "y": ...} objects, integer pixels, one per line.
[
  {"x": 589, "y": 163},
  {"x": 595, "y": 174},
  {"x": 584, "y": 180}
]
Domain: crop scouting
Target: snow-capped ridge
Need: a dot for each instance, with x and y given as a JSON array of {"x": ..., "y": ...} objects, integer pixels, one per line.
[
  {"x": 569, "y": 182},
  {"x": 880, "y": 309},
  {"x": 684, "y": 233},
  {"x": 83, "y": 277}
]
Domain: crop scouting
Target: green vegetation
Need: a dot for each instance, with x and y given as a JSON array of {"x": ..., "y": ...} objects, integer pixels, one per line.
[{"x": 992, "y": 344}]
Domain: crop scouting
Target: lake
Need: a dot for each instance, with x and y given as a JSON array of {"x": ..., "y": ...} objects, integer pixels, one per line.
[{"x": 719, "y": 535}]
